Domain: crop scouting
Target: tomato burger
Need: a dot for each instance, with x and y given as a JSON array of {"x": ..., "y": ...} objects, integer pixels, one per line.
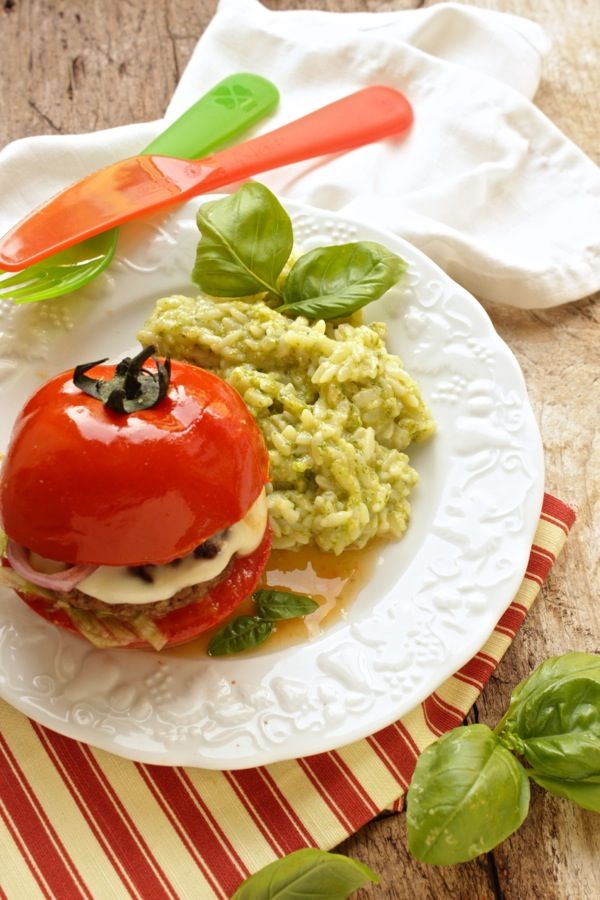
[{"x": 133, "y": 502}]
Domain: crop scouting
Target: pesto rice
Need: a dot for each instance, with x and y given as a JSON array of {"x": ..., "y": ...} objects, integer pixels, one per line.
[{"x": 335, "y": 408}]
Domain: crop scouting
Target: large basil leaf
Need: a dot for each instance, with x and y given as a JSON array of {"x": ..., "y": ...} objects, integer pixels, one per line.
[
  {"x": 307, "y": 875},
  {"x": 277, "y": 605},
  {"x": 240, "y": 634},
  {"x": 333, "y": 282},
  {"x": 246, "y": 241},
  {"x": 468, "y": 793},
  {"x": 554, "y": 717},
  {"x": 585, "y": 793}
]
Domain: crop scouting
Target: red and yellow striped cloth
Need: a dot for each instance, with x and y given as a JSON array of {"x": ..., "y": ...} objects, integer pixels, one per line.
[{"x": 79, "y": 822}]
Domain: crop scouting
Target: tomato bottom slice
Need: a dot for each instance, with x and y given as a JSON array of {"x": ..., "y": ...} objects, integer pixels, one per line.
[{"x": 184, "y": 624}]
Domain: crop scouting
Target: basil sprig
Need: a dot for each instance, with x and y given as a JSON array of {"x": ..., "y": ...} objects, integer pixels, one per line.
[
  {"x": 469, "y": 792},
  {"x": 246, "y": 240},
  {"x": 308, "y": 873},
  {"x": 246, "y": 632}
]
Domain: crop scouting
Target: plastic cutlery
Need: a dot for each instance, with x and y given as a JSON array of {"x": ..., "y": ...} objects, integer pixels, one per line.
[
  {"x": 145, "y": 184},
  {"x": 228, "y": 109}
]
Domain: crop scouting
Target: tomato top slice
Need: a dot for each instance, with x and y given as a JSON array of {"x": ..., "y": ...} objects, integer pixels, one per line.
[{"x": 83, "y": 484}]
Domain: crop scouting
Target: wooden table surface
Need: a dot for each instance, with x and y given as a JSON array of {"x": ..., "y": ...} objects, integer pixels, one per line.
[{"x": 73, "y": 66}]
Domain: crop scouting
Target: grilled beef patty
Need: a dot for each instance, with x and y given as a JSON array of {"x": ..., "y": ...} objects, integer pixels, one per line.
[
  {"x": 156, "y": 610},
  {"x": 208, "y": 550}
]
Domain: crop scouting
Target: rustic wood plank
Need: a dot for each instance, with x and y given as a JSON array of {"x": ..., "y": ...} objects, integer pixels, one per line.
[
  {"x": 83, "y": 66},
  {"x": 71, "y": 65},
  {"x": 382, "y": 845}
]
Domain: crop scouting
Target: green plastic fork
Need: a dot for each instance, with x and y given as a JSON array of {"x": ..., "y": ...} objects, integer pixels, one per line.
[{"x": 229, "y": 108}]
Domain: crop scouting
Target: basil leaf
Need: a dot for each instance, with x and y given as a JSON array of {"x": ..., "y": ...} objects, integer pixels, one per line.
[
  {"x": 307, "y": 873},
  {"x": 246, "y": 241},
  {"x": 554, "y": 717},
  {"x": 585, "y": 793},
  {"x": 560, "y": 733},
  {"x": 555, "y": 670},
  {"x": 240, "y": 634},
  {"x": 468, "y": 793},
  {"x": 333, "y": 282},
  {"x": 276, "y": 605}
]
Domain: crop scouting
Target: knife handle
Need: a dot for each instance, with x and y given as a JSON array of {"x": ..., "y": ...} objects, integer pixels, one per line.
[
  {"x": 362, "y": 118},
  {"x": 230, "y": 107}
]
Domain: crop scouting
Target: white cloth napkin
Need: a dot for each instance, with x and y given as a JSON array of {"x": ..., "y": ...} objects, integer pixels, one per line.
[{"x": 483, "y": 183}]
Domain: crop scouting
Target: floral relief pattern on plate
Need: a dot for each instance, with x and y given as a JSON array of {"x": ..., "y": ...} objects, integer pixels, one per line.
[{"x": 432, "y": 601}]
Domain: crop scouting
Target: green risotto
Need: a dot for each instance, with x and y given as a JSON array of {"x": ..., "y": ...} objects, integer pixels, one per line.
[{"x": 335, "y": 408}]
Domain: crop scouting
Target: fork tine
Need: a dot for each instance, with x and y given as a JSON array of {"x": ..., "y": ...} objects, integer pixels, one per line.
[
  {"x": 21, "y": 278},
  {"x": 46, "y": 294},
  {"x": 28, "y": 290}
]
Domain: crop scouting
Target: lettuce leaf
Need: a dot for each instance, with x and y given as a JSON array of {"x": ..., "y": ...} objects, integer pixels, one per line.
[{"x": 100, "y": 628}]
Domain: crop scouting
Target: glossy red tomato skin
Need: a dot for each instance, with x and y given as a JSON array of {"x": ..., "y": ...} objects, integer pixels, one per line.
[
  {"x": 83, "y": 484},
  {"x": 184, "y": 624}
]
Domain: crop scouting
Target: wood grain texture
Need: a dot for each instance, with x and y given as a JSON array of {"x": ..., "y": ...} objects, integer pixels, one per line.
[{"x": 72, "y": 65}]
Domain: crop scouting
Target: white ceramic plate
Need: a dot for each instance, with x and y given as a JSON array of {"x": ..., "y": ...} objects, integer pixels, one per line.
[{"x": 433, "y": 599}]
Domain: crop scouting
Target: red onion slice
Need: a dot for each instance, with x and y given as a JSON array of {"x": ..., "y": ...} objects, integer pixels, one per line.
[{"x": 18, "y": 558}]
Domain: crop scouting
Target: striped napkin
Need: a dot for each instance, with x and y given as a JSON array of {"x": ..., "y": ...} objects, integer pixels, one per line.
[{"x": 81, "y": 823}]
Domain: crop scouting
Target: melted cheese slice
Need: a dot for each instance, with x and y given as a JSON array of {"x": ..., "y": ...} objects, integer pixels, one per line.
[{"x": 118, "y": 584}]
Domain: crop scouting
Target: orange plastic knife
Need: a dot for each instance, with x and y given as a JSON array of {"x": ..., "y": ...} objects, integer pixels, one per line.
[{"x": 144, "y": 184}]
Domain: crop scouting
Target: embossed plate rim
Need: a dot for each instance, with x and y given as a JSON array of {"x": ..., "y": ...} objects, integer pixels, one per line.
[{"x": 358, "y": 689}]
